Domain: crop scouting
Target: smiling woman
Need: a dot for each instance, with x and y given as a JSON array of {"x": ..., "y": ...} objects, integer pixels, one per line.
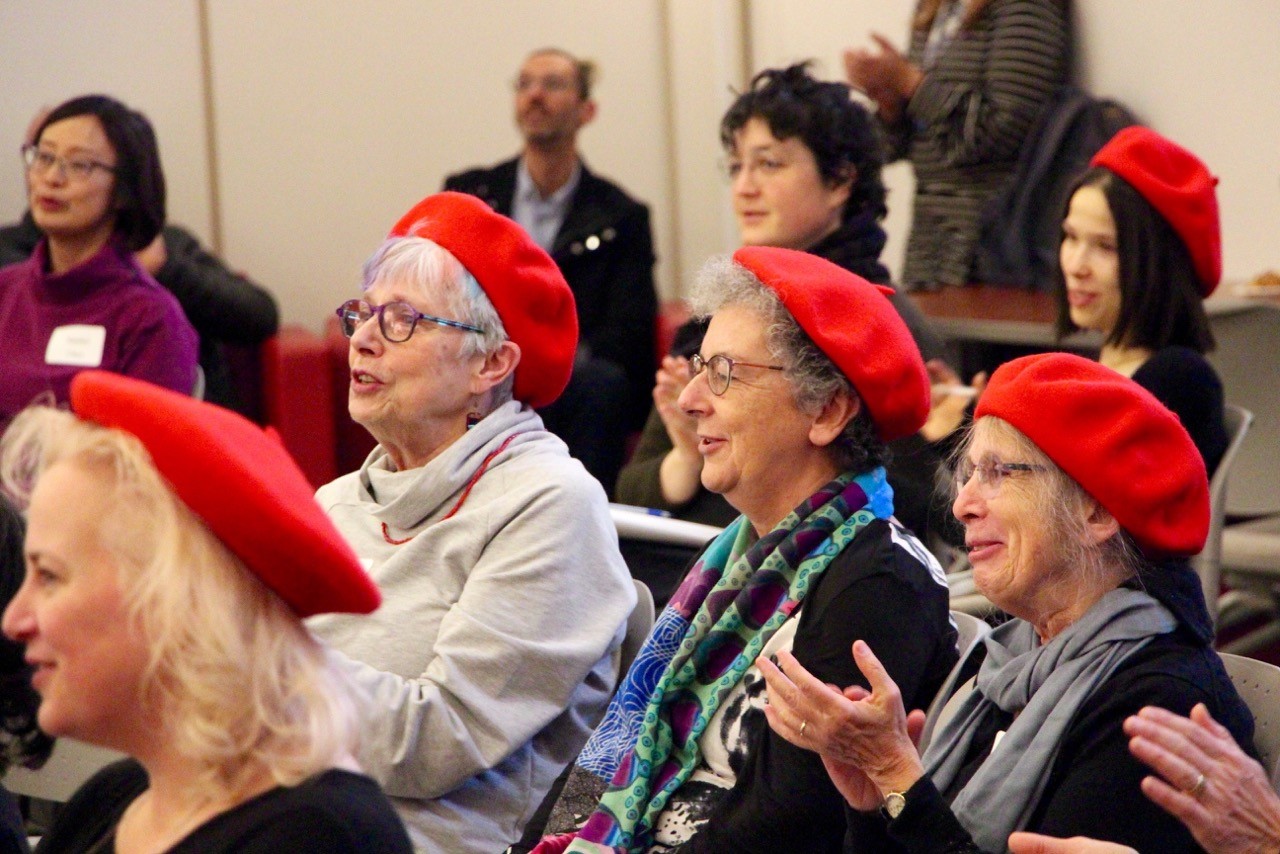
[
  {"x": 172, "y": 549},
  {"x": 1140, "y": 251},
  {"x": 792, "y": 414},
  {"x": 97, "y": 195},
  {"x": 1078, "y": 491}
]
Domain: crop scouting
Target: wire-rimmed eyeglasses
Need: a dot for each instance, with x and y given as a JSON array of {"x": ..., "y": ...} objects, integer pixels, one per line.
[
  {"x": 991, "y": 473},
  {"x": 396, "y": 320},
  {"x": 76, "y": 168},
  {"x": 719, "y": 370}
]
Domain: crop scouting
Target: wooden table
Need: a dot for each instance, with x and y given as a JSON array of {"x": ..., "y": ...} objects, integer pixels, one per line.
[{"x": 1247, "y": 329}]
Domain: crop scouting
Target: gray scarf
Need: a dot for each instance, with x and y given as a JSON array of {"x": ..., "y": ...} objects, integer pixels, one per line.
[{"x": 1045, "y": 686}]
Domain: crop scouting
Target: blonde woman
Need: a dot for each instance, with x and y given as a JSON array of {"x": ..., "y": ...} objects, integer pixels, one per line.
[{"x": 172, "y": 549}]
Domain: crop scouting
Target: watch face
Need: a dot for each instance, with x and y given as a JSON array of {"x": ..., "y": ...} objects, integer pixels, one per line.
[{"x": 894, "y": 803}]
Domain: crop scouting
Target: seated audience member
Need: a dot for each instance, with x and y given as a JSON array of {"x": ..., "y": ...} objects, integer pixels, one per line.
[
  {"x": 1141, "y": 249},
  {"x": 81, "y": 300},
  {"x": 172, "y": 549},
  {"x": 493, "y": 655},
  {"x": 804, "y": 164},
  {"x": 804, "y": 374},
  {"x": 600, "y": 238},
  {"x": 1072, "y": 479},
  {"x": 21, "y": 742},
  {"x": 1212, "y": 786},
  {"x": 225, "y": 307}
]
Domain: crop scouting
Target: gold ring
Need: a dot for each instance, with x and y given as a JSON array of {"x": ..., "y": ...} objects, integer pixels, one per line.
[
  {"x": 1197, "y": 787},
  {"x": 804, "y": 724}
]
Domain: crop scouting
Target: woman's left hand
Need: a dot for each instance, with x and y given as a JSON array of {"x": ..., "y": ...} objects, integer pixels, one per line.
[{"x": 866, "y": 739}]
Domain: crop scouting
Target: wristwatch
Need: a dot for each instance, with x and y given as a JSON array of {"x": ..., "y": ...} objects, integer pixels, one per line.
[{"x": 894, "y": 804}]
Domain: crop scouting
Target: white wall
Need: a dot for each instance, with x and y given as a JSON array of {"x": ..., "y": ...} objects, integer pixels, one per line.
[
  {"x": 330, "y": 118},
  {"x": 50, "y": 52}
]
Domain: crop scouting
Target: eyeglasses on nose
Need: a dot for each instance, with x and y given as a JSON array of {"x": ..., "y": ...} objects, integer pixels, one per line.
[
  {"x": 719, "y": 370},
  {"x": 396, "y": 320},
  {"x": 991, "y": 473},
  {"x": 40, "y": 161}
]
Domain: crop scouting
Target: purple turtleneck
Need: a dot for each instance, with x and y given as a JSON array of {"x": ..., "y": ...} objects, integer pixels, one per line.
[{"x": 142, "y": 329}]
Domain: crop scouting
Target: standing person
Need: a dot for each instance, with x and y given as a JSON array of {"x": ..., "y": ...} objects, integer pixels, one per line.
[
  {"x": 1074, "y": 486},
  {"x": 81, "y": 300},
  {"x": 960, "y": 105},
  {"x": 805, "y": 172},
  {"x": 506, "y": 599},
  {"x": 600, "y": 238},
  {"x": 1141, "y": 250},
  {"x": 806, "y": 371},
  {"x": 172, "y": 550}
]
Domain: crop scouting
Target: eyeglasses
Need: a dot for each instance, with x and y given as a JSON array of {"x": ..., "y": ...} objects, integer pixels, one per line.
[
  {"x": 555, "y": 85},
  {"x": 76, "y": 169},
  {"x": 720, "y": 370},
  {"x": 760, "y": 166},
  {"x": 397, "y": 320},
  {"x": 991, "y": 473}
]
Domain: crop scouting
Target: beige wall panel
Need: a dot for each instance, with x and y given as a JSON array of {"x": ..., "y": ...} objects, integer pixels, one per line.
[
  {"x": 334, "y": 117},
  {"x": 144, "y": 52}
]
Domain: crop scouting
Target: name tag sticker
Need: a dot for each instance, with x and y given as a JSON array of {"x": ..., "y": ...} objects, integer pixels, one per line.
[{"x": 79, "y": 345}]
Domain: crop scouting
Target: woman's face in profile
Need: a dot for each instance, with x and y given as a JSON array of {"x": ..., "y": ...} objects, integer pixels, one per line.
[
  {"x": 66, "y": 201},
  {"x": 779, "y": 196},
  {"x": 1091, "y": 261},
  {"x": 70, "y": 613}
]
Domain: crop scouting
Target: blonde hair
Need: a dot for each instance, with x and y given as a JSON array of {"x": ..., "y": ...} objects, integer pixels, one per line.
[{"x": 239, "y": 682}]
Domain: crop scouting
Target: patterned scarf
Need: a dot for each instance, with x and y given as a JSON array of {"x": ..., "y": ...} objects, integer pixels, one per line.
[{"x": 733, "y": 600}]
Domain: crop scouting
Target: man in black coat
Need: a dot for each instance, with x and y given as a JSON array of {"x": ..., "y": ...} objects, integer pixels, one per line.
[{"x": 601, "y": 239}]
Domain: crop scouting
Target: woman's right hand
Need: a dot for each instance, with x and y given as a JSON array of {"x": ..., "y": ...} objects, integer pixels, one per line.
[
  {"x": 680, "y": 473},
  {"x": 946, "y": 413}
]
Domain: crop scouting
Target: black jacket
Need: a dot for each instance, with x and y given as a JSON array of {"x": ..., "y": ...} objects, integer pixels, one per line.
[{"x": 605, "y": 250}]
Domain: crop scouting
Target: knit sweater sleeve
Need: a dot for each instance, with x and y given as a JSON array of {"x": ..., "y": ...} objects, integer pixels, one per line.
[{"x": 975, "y": 118}]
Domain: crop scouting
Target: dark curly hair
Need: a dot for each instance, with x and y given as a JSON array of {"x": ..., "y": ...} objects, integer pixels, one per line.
[{"x": 819, "y": 113}]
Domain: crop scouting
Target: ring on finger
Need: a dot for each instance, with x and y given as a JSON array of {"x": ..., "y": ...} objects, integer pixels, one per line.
[
  {"x": 803, "y": 724},
  {"x": 1197, "y": 787}
]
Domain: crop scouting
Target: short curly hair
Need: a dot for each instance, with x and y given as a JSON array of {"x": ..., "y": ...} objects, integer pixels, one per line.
[{"x": 822, "y": 115}]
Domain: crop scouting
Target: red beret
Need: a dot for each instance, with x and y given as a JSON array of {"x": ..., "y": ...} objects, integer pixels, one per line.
[
  {"x": 855, "y": 325},
  {"x": 1113, "y": 438},
  {"x": 525, "y": 286},
  {"x": 241, "y": 481},
  {"x": 1177, "y": 184}
]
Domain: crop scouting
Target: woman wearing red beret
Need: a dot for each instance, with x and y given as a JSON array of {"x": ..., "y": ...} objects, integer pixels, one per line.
[
  {"x": 1072, "y": 484},
  {"x": 1141, "y": 249},
  {"x": 506, "y": 598},
  {"x": 172, "y": 549},
  {"x": 805, "y": 373}
]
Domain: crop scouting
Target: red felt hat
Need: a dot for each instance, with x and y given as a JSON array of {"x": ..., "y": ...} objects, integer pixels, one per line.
[
  {"x": 1177, "y": 184},
  {"x": 242, "y": 483},
  {"x": 1113, "y": 438},
  {"x": 855, "y": 325},
  {"x": 525, "y": 286}
]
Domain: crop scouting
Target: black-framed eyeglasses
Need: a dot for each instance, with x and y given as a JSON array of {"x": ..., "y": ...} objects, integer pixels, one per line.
[
  {"x": 396, "y": 320},
  {"x": 719, "y": 370},
  {"x": 991, "y": 473},
  {"x": 75, "y": 168}
]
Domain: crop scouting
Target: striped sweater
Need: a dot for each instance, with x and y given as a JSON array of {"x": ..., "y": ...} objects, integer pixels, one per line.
[{"x": 965, "y": 124}]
